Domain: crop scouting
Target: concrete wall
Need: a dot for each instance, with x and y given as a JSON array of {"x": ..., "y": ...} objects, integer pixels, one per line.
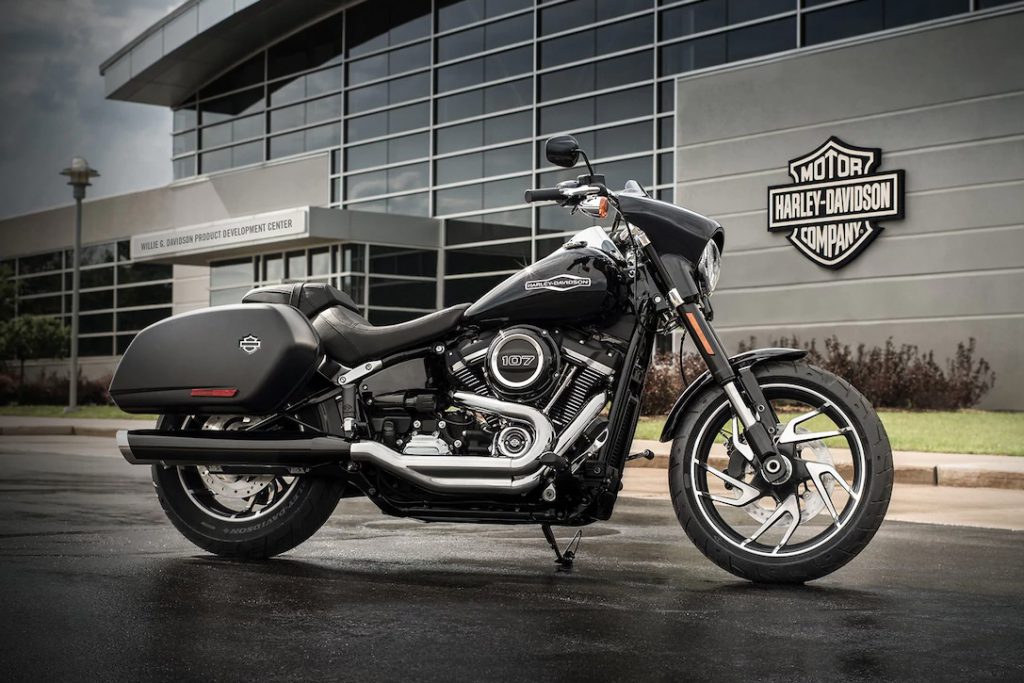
[
  {"x": 945, "y": 103},
  {"x": 270, "y": 186}
]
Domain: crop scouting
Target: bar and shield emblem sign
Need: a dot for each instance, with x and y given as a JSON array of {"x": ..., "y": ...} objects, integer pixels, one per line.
[{"x": 832, "y": 208}]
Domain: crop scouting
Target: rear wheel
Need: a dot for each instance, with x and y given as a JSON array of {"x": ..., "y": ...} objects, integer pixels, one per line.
[
  {"x": 242, "y": 516},
  {"x": 819, "y": 514}
]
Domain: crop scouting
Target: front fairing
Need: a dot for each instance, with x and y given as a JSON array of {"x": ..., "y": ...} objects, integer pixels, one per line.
[{"x": 673, "y": 230}]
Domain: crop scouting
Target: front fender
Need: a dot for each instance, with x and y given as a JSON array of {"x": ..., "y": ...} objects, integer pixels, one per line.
[{"x": 742, "y": 360}]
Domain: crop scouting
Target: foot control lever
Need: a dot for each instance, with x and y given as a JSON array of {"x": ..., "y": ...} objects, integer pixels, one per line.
[
  {"x": 563, "y": 558},
  {"x": 646, "y": 454}
]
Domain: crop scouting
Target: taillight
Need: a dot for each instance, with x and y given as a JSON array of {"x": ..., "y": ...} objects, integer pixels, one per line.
[{"x": 214, "y": 393}]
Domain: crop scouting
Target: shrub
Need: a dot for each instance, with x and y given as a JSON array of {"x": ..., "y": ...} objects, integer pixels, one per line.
[
  {"x": 51, "y": 389},
  {"x": 901, "y": 376}
]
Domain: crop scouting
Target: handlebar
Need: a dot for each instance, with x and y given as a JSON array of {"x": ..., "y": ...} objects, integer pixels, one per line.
[{"x": 544, "y": 194}]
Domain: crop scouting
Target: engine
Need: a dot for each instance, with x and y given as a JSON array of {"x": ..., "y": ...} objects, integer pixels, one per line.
[{"x": 554, "y": 370}]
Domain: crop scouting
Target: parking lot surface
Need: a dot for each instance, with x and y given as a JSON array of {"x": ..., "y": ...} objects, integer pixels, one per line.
[{"x": 96, "y": 584}]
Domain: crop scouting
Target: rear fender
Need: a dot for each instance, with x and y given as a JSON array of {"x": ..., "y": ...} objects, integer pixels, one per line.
[{"x": 742, "y": 360}]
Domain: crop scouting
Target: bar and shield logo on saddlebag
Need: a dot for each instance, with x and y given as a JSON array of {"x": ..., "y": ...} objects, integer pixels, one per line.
[{"x": 831, "y": 210}]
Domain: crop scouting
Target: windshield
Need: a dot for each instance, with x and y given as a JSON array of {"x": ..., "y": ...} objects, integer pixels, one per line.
[{"x": 596, "y": 238}]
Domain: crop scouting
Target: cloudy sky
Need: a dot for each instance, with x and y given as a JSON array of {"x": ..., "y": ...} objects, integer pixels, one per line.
[{"x": 52, "y": 106}]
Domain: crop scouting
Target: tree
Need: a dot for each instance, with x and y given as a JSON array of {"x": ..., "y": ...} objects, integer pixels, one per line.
[{"x": 30, "y": 337}]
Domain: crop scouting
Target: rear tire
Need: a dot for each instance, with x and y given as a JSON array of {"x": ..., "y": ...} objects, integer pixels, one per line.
[{"x": 306, "y": 505}]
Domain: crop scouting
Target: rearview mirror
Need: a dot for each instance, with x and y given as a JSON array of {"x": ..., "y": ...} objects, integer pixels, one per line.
[{"x": 562, "y": 150}]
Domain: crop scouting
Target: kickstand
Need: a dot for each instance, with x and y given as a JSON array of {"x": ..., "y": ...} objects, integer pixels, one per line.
[{"x": 562, "y": 558}]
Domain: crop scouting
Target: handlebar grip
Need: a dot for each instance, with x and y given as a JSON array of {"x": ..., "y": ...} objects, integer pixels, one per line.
[{"x": 544, "y": 194}]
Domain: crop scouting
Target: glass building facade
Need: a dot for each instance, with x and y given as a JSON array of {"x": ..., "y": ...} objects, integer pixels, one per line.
[
  {"x": 440, "y": 108},
  {"x": 118, "y": 297}
]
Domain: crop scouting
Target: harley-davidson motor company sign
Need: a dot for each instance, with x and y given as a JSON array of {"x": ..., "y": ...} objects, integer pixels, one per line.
[{"x": 831, "y": 210}]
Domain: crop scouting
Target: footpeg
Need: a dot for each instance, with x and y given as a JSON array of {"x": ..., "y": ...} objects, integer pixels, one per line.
[
  {"x": 563, "y": 558},
  {"x": 646, "y": 454}
]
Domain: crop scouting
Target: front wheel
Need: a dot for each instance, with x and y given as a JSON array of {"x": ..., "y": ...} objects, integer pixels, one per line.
[{"x": 819, "y": 513}]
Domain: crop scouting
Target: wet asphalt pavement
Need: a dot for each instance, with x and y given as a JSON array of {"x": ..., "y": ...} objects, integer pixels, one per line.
[{"x": 96, "y": 585}]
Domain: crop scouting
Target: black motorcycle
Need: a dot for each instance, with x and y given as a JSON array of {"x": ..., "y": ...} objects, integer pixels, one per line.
[{"x": 517, "y": 409}]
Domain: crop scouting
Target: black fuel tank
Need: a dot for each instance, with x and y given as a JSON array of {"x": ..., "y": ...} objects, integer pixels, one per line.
[{"x": 581, "y": 285}]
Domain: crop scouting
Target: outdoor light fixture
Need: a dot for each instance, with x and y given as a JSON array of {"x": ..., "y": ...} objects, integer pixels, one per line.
[{"x": 79, "y": 174}]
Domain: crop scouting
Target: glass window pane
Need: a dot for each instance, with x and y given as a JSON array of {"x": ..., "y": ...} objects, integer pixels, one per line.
[
  {"x": 409, "y": 117},
  {"x": 320, "y": 261},
  {"x": 41, "y": 284},
  {"x": 131, "y": 321},
  {"x": 488, "y": 258},
  {"x": 569, "y": 15},
  {"x": 144, "y": 295},
  {"x": 411, "y": 177},
  {"x": 504, "y": 160},
  {"x": 362, "y": 185},
  {"x": 97, "y": 322},
  {"x": 245, "y": 74},
  {"x": 246, "y": 102},
  {"x": 761, "y": 39},
  {"x": 464, "y": 290},
  {"x": 96, "y": 346},
  {"x": 576, "y": 46},
  {"x": 833, "y": 23},
  {"x": 94, "y": 254},
  {"x": 184, "y": 142},
  {"x": 374, "y": 26},
  {"x": 131, "y": 273},
  {"x": 410, "y": 204},
  {"x": 45, "y": 305},
  {"x": 666, "y": 131},
  {"x": 185, "y": 117},
  {"x": 402, "y": 261},
  {"x": 491, "y": 226},
  {"x": 903, "y": 12},
  {"x": 296, "y": 263},
  {"x": 454, "y": 13},
  {"x": 41, "y": 263},
  {"x": 221, "y": 297},
  {"x": 318, "y": 45},
  {"x": 454, "y": 169},
  {"x": 403, "y": 293},
  {"x": 366, "y": 156},
  {"x": 184, "y": 167},
  {"x": 408, "y": 147},
  {"x": 463, "y": 136},
  {"x": 692, "y": 54},
  {"x": 352, "y": 257}
]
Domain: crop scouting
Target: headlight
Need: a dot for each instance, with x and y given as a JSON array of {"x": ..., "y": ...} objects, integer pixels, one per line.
[{"x": 709, "y": 267}]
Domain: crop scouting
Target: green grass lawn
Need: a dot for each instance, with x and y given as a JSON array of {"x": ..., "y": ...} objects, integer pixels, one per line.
[
  {"x": 84, "y": 412},
  {"x": 968, "y": 431}
]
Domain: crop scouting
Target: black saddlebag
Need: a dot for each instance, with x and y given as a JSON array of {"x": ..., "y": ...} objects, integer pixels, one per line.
[{"x": 244, "y": 360}]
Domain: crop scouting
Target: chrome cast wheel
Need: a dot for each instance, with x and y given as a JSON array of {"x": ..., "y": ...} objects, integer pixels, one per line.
[
  {"x": 781, "y": 510},
  {"x": 797, "y": 516},
  {"x": 235, "y": 497}
]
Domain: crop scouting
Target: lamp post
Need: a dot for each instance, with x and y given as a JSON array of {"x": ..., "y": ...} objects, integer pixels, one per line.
[{"x": 79, "y": 174}]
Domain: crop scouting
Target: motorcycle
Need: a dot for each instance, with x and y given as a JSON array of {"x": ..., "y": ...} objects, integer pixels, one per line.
[{"x": 519, "y": 408}]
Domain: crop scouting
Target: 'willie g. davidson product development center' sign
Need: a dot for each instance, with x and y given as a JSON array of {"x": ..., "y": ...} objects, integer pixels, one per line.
[{"x": 831, "y": 209}]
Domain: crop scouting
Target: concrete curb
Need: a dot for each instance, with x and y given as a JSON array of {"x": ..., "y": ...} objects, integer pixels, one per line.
[{"x": 967, "y": 476}]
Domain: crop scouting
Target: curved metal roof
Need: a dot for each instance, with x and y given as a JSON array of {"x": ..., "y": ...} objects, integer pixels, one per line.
[{"x": 199, "y": 40}]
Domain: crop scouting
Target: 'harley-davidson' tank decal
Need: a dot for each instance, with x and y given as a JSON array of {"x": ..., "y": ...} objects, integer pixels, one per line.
[{"x": 558, "y": 283}]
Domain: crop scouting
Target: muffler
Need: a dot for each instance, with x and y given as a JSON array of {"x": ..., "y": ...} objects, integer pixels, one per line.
[{"x": 255, "y": 449}]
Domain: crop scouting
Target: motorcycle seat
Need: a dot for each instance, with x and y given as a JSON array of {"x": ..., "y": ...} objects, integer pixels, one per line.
[
  {"x": 309, "y": 297},
  {"x": 350, "y": 339}
]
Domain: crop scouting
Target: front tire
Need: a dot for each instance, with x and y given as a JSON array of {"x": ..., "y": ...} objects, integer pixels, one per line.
[
  {"x": 837, "y": 511},
  {"x": 278, "y": 514}
]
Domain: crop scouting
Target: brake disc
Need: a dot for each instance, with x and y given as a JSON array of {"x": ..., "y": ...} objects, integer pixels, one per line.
[
  {"x": 810, "y": 502},
  {"x": 239, "y": 486}
]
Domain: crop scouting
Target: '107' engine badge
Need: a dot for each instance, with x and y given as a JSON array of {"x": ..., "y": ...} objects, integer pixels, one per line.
[{"x": 250, "y": 344}]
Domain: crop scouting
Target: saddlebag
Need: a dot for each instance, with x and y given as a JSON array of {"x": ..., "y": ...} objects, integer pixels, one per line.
[{"x": 244, "y": 360}]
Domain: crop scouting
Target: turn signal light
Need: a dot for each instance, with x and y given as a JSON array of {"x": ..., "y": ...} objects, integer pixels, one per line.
[
  {"x": 214, "y": 393},
  {"x": 596, "y": 207}
]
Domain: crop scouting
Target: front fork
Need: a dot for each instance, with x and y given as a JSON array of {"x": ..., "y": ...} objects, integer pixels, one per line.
[{"x": 757, "y": 417}]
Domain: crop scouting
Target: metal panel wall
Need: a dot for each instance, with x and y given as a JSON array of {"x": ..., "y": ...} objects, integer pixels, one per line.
[{"x": 944, "y": 102}]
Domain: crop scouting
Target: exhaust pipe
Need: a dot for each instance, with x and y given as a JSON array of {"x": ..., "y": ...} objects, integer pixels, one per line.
[
  {"x": 446, "y": 474},
  {"x": 255, "y": 449}
]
